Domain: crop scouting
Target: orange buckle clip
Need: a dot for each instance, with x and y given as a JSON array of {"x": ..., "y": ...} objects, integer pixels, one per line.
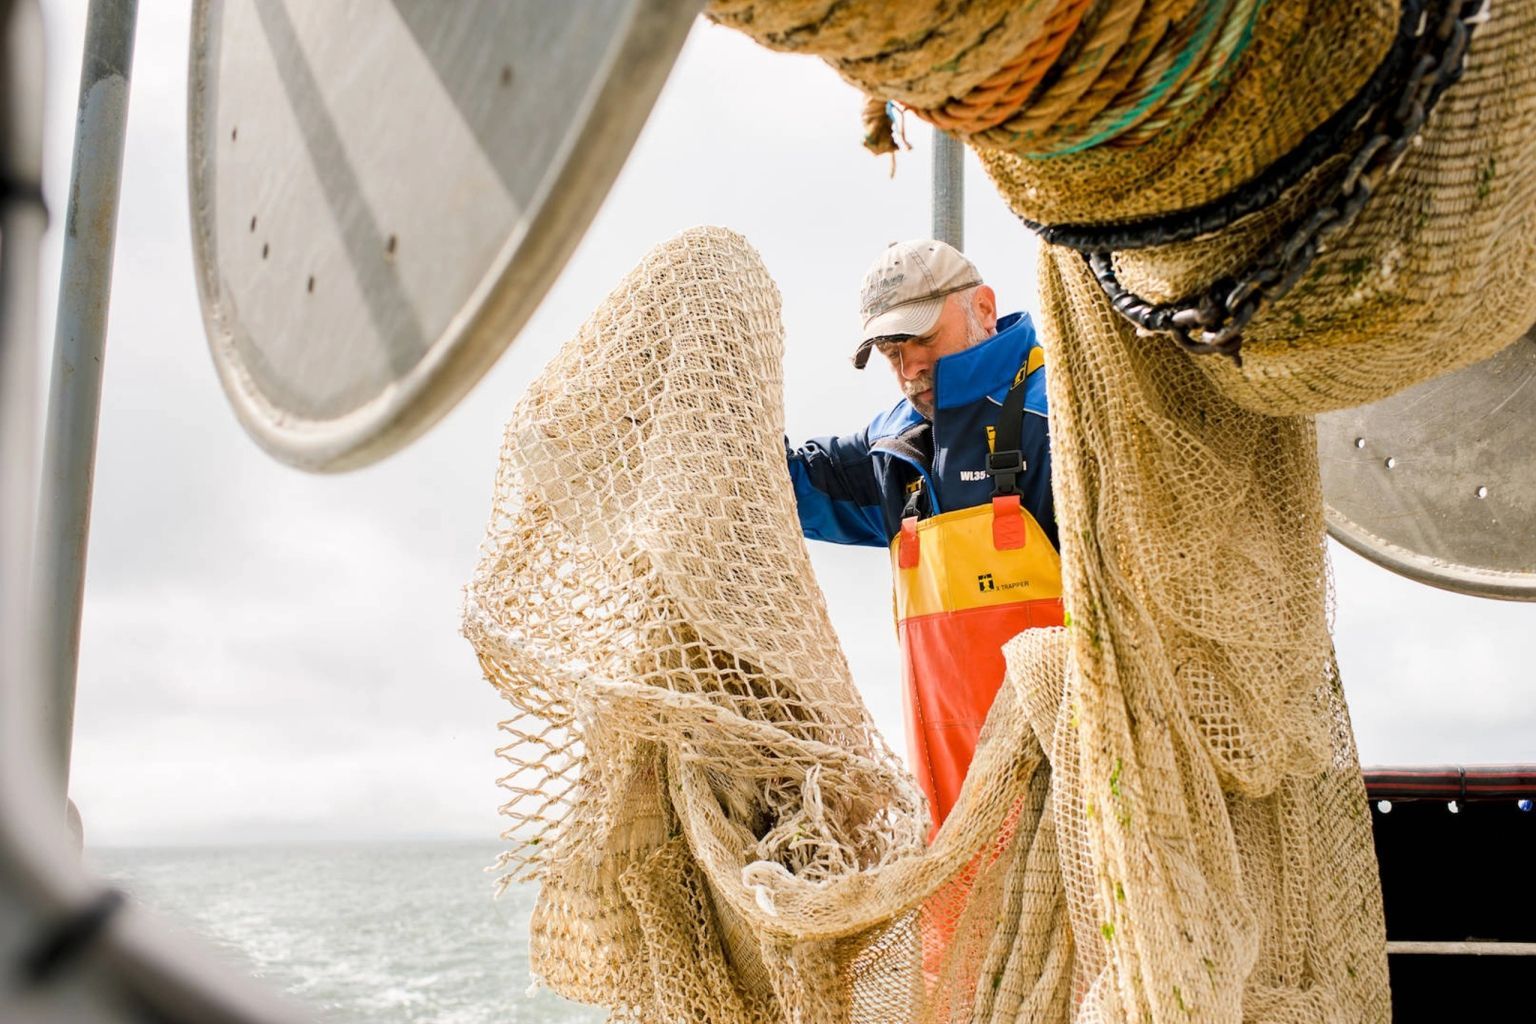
[
  {"x": 1007, "y": 522},
  {"x": 906, "y": 547}
]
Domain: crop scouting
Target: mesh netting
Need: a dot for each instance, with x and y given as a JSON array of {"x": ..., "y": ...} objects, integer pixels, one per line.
[
  {"x": 1165, "y": 819},
  {"x": 696, "y": 783},
  {"x": 720, "y": 834}
]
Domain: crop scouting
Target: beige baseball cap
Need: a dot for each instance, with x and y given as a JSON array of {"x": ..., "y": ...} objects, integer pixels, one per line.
[{"x": 904, "y": 292}]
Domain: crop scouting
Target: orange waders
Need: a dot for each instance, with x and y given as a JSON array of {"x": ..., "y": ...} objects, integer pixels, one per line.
[{"x": 966, "y": 582}]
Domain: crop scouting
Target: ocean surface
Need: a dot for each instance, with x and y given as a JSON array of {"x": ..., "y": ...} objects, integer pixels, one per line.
[{"x": 383, "y": 933}]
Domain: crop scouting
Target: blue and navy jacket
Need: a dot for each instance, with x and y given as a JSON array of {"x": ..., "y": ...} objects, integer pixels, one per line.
[{"x": 854, "y": 489}]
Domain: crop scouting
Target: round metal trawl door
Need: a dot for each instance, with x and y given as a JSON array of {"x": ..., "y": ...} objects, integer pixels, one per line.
[
  {"x": 1438, "y": 483},
  {"x": 383, "y": 190}
]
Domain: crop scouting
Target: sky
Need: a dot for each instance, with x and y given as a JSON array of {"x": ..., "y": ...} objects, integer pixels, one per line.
[{"x": 271, "y": 656}]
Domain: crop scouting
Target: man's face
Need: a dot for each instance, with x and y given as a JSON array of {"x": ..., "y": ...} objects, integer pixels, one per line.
[{"x": 969, "y": 318}]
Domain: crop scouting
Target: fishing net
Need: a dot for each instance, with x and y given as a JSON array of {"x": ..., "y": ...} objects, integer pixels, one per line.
[
  {"x": 719, "y": 832},
  {"x": 1165, "y": 819}
]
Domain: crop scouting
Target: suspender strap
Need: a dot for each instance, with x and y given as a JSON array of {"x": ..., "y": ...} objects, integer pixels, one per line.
[
  {"x": 907, "y": 544},
  {"x": 1008, "y": 530},
  {"x": 916, "y": 446},
  {"x": 914, "y": 506},
  {"x": 1005, "y": 463}
]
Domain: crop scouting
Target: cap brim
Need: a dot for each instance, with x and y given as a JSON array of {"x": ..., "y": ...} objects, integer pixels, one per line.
[{"x": 909, "y": 318}]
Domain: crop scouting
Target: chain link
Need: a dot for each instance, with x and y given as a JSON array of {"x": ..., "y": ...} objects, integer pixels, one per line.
[{"x": 1213, "y": 321}]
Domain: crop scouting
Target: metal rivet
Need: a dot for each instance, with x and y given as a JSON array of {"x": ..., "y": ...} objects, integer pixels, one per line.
[
  {"x": 1482, "y": 492},
  {"x": 1384, "y": 806},
  {"x": 1391, "y": 462},
  {"x": 1359, "y": 442}
]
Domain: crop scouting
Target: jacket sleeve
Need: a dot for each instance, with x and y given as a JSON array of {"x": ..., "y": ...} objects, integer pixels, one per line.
[{"x": 837, "y": 490}]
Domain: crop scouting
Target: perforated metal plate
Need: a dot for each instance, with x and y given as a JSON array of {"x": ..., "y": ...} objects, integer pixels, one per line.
[
  {"x": 1439, "y": 483},
  {"x": 383, "y": 190}
]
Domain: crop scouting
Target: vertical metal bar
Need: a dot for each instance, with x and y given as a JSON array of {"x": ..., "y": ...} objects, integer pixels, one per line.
[
  {"x": 23, "y": 219},
  {"x": 74, "y": 401},
  {"x": 143, "y": 968},
  {"x": 948, "y": 189},
  {"x": 32, "y": 834}
]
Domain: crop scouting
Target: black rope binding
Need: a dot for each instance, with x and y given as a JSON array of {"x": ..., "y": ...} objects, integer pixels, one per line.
[
  {"x": 69, "y": 939},
  {"x": 22, "y": 193},
  {"x": 1424, "y": 61}
]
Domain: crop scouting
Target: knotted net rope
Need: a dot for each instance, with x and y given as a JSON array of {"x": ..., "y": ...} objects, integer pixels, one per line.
[{"x": 1165, "y": 819}]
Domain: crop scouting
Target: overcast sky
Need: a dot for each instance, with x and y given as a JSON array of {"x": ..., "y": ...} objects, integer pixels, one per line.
[{"x": 269, "y": 655}]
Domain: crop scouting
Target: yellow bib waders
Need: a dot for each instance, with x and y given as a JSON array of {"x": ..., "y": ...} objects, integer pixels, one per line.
[{"x": 965, "y": 583}]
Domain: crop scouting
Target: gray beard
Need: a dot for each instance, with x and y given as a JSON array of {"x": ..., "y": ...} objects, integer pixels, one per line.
[
  {"x": 913, "y": 388},
  {"x": 974, "y": 335}
]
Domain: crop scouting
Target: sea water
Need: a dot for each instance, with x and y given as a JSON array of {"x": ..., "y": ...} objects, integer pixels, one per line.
[{"x": 376, "y": 933}]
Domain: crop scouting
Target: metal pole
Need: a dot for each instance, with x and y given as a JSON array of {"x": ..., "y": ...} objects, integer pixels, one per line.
[
  {"x": 65, "y": 954},
  {"x": 31, "y": 800},
  {"x": 23, "y": 219},
  {"x": 74, "y": 400},
  {"x": 948, "y": 189},
  {"x": 1471, "y": 947}
]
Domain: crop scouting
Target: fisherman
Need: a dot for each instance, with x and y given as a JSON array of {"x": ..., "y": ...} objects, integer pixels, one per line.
[{"x": 955, "y": 479}]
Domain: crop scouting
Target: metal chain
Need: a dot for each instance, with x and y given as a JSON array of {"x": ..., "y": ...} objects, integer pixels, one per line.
[{"x": 1212, "y": 322}]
